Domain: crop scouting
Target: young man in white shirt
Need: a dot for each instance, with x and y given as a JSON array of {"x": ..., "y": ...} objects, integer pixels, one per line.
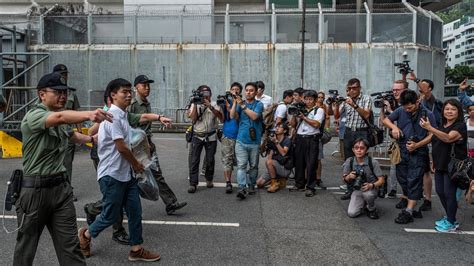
[
  {"x": 118, "y": 187},
  {"x": 307, "y": 144},
  {"x": 263, "y": 98}
]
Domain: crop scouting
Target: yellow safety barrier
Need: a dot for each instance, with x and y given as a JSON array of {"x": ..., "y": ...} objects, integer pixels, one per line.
[{"x": 11, "y": 147}]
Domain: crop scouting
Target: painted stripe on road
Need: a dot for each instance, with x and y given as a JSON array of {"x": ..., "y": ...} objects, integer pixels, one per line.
[
  {"x": 160, "y": 222},
  {"x": 170, "y": 138},
  {"x": 459, "y": 232},
  {"x": 203, "y": 184}
]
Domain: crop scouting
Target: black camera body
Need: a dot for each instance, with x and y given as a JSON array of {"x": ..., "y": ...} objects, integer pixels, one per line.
[
  {"x": 297, "y": 108},
  {"x": 334, "y": 97},
  {"x": 380, "y": 97},
  {"x": 404, "y": 67},
  {"x": 196, "y": 97},
  {"x": 360, "y": 179},
  {"x": 227, "y": 97},
  {"x": 269, "y": 143}
]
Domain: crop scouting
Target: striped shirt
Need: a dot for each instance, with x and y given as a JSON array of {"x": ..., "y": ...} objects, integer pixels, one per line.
[{"x": 353, "y": 118}]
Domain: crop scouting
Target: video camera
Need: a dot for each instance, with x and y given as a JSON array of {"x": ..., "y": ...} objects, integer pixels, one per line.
[
  {"x": 404, "y": 67},
  {"x": 381, "y": 97},
  {"x": 227, "y": 97},
  {"x": 334, "y": 97},
  {"x": 297, "y": 108},
  {"x": 196, "y": 97}
]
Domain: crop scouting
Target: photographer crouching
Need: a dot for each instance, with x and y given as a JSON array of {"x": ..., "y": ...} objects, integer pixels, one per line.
[
  {"x": 279, "y": 160},
  {"x": 307, "y": 144},
  {"x": 365, "y": 176}
]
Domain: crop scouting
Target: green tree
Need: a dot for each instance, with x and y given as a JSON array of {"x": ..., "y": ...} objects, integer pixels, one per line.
[{"x": 457, "y": 74}]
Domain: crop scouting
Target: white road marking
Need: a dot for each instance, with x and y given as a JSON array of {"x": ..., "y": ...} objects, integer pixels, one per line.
[
  {"x": 459, "y": 232},
  {"x": 158, "y": 222},
  {"x": 183, "y": 139},
  {"x": 216, "y": 184}
]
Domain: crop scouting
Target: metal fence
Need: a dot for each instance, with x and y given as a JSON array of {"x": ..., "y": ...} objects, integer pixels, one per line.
[{"x": 418, "y": 26}]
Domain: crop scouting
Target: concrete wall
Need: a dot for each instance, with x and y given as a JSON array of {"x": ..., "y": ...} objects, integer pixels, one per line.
[{"x": 179, "y": 69}]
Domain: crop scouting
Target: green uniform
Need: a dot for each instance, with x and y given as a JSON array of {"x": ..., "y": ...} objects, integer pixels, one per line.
[
  {"x": 49, "y": 205},
  {"x": 71, "y": 104},
  {"x": 142, "y": 107}
]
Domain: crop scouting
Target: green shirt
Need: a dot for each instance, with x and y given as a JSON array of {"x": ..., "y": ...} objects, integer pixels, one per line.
[
  {"x": 140, "y": 107},
  {"x": 72, "y": 102},
  {"x": 43, "y": 148}
]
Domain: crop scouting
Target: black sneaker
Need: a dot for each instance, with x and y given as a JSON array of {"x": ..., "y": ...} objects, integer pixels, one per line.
[
  {"x": 404, "y": 218},
  {"x": 252, "y": 190},
  {"x": 373, "y": 214},
  {"x": 417, "y": 214},
  {"x": 392, "y": 194},
  {"x": 319, "y": 185},
  {"x": 310, "y": 192},
  {"x": 296, "y": 189},
  {"x": 346, "y": 196},
  {"x": 121, "y": 237},
  {"x": 228, "y": 188},
  {"x": 170, "y": 209},
  {"x": 426, "y": 206},
  {"x": 209, "y": 184},
  {"x": 402, "y": 204},
  {"x": 90, "y": 218},
  {"x": 192, "y": 189},
  {"x": 242, "y": 193}
]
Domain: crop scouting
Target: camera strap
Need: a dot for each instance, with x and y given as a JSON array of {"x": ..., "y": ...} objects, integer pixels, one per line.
[
  {"x": 371, "y": 165},
  {"x": 315, "y": 109}
]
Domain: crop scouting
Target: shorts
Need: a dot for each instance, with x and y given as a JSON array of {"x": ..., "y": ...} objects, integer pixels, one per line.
[
  {"x": 280, "y": 170},
  {"x": 228, "y": 153},
  {"x": 410, "y": 173}
]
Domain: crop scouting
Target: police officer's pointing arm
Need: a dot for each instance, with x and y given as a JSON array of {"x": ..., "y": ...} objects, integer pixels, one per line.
[{"x": 74, "y": 117}]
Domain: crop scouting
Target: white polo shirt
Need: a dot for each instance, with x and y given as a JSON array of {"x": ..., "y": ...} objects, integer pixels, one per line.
[
  {"x": 112, "y": 163},
  {"x": 307, "y": 129},
  {"x": 266, "y": 100}
]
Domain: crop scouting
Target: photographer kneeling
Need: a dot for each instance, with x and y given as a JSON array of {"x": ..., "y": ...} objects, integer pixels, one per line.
[
  {"x": 365, "y": 176},
  {"x": 278, "y": 159}
]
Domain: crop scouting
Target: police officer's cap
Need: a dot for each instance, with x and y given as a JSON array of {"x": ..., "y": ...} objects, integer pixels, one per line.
[
  {"x": 53, "y": 81},
  {"x": 142, "y": 79},
  {"x": 60, "y": 68}
]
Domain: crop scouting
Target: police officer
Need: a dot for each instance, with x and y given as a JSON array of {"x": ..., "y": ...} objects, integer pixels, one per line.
[
  {"x": 72, "y": 103},
  {"x": 141, "y": 105},
  {"x": 46, "y": 196}
]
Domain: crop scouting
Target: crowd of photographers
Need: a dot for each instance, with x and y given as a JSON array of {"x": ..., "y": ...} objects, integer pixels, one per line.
[{"x": 290, "y": 135}]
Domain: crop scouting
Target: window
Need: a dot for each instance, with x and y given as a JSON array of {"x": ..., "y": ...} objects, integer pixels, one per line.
[
  {"x": 457, "y": 56},
  {"x": 458, "y": 46}
]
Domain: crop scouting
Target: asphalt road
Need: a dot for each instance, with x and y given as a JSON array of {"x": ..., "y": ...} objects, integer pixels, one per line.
[{"x": 284, "y": 228}]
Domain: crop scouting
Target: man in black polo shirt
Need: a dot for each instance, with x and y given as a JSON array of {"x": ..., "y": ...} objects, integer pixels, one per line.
[{"x": 356, "y": 107}]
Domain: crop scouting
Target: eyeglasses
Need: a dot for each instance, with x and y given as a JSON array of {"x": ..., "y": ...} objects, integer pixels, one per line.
[
  {"x": 58, "y": 92},
  {"x": 357, "y": 147}
]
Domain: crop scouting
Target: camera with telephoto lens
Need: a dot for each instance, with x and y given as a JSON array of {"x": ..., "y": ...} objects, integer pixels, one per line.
[
  {"x": 196, "y": 97},
  {"x": 360, "y": 179},
  {"x": 404, "y": 67},
  {"x": 334, "y": 97},
  {"x": 381, "y": 97},
  {"x": 269, "y": 143},
  {"x": 297, "y": 108}
]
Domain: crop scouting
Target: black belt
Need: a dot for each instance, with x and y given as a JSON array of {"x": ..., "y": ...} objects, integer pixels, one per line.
[
  {"x": 307, "y": 136},
  {"x": 358, "y": 129},
  {"x": 43, "y": 181},
  {"x": 203, "y": 135}
]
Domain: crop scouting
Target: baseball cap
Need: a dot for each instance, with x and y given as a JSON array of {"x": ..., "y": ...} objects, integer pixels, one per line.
[
  {"x": 52, "y": 80},
  {"x": 60, "y": 68},
  {"x": 142, "y": 79}
]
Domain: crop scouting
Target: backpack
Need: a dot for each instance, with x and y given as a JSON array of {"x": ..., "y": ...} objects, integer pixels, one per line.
[
  {"x": 268, "y": 116},
  {"x": 383, "y": 189}
]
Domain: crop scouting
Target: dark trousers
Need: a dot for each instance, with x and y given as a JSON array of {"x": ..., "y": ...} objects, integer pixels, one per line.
[
  {"x": 306, "y": 161},
  {"x": 349, "y": 137},
  {"x": 68, "y": 159},
  {"x": 51, "y": 207},
  {"x": 410, "y": 172},
  {"x": 446, "y": 191},
  {"x": 197, "y": 146},
  {"x": 116, "y": 196},
  {"x": 166, "y": 194}
]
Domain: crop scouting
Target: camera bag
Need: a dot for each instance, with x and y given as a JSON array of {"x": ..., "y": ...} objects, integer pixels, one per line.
[
  {"x": 375, "y": 134},
  {"x": 461, "y": 172}
]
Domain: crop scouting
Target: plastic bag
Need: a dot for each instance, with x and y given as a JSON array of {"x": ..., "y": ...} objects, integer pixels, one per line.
[
  {"x": 140, "y": 147},
  {"x": 147, "y": 185}
]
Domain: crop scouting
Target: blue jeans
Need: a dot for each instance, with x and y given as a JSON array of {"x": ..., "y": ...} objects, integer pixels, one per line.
[
  {"x": 246, "y": 153},
  {"x": 116, "y": 196}
]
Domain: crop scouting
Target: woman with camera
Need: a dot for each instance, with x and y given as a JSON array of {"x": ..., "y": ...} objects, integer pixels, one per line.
[
  {"x": 449, "y": 140},
  {"x": 365, "y": 176},
  {"x": 279, "y": 159}
]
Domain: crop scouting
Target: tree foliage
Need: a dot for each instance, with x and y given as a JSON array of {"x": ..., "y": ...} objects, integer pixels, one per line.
[{"x": 458, "y": 74}]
